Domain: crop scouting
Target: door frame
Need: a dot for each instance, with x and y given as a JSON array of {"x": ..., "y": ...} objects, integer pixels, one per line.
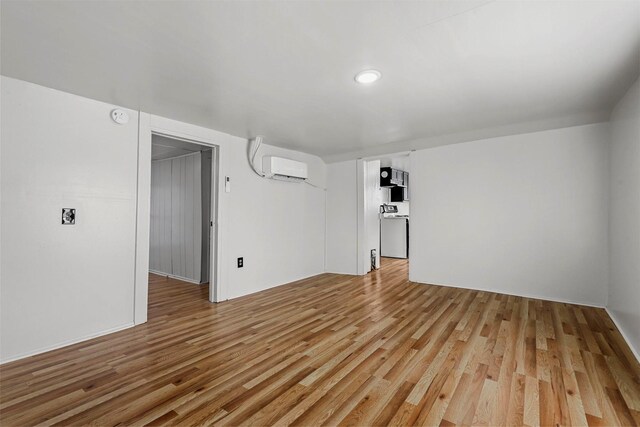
[
  {"x": 361, "y": 196},
  {"x": 148, "y": 126},
  {"x": 362, "y": 256}
]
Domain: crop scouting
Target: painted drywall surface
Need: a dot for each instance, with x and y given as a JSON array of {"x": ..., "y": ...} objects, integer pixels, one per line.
[
  {"x": 524, "y": 215},
  {"x": 177, "y": 207},
  {"x": 277, "y": 227},
  {"x": 53, "y": 293},
  {"x": 624, "y": 288},
  {"x": 401, "y": 162},
  {"x": 342, "y": 220},
  {"x": 61, "y": 283},
  {"x": 403, "y": 207}
]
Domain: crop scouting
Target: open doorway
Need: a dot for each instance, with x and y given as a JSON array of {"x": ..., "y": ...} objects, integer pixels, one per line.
[
  {"x": 181, "y": 220},
  {"x": 384, "y": 212}
]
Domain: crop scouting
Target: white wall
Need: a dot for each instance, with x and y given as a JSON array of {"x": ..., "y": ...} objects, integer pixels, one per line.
[
  {"x": 176, "y": 232},
  {"x": 342, "y": 218},
  {"x": 278, "y": 227},
  {"x": 523, "y": 215},
  {"x": 403, "y": 207},
  {"x": 63, "y": 283},
  {"x": 624, "y": 290}
]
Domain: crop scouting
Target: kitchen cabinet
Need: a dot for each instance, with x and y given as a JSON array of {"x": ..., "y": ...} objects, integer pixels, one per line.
[
  {"x": 390, "y": 177},
  {"x": 405, "y": 192},
  {"x": 398, "y": 183},
  {"x": 398, "y": 176},
  {"x": 400, "y": 193}
]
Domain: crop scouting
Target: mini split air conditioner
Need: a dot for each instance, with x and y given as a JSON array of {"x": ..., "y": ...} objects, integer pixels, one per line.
[{"x": 284, "y": 169}]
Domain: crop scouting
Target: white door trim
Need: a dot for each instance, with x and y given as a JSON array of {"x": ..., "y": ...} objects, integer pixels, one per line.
[
  {"x": 360, "y": 200},
  {"x": 363, "y": 259},
  {"x": 152, "y": 125}
]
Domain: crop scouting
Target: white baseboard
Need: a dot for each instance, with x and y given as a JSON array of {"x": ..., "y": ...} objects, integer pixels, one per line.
[
  {"x": 278, "y": 284},
  {"x": 172, "y": 276},
  {"x": 344, "y": 273},
  {"x": 66, "y": 343},
  {"x": 635, "y": 352},
  {"x": 522, "y": 295}
]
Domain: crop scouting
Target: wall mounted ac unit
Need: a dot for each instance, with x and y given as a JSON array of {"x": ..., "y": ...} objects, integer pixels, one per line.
[{"x": 284, "y": 169}]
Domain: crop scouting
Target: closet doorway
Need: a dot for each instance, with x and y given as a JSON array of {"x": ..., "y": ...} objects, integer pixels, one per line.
[{"x": 181, "y": 220}]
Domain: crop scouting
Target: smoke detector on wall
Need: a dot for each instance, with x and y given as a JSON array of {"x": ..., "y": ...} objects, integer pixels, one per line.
[{"x": 120, "y": 116}]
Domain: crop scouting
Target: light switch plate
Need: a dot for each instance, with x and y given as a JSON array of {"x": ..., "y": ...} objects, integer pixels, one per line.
[{"x": 68, "y": 216}]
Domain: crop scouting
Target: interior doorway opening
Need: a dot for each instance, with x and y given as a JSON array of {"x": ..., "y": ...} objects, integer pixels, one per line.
[
  {"x": 384, "y": 211},
  {"x": 182, "y": 206}
]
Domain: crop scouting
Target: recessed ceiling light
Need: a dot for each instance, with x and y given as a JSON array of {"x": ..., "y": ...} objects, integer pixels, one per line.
[{"x": 368, "y": 76}]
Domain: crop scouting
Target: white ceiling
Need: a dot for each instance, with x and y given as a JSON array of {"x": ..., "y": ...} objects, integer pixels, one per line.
[
  {"x": 465, "y": 69},
  {"x": 167, "y": 148}
]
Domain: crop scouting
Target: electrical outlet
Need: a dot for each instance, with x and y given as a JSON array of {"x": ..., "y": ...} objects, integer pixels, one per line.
[{"x": 240, "y": 262}]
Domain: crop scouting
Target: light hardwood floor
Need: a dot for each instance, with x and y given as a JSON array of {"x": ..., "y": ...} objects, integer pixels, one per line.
[{"x": 335, "y": 349}]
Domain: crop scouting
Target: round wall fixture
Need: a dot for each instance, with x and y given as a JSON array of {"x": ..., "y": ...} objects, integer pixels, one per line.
[
  {"x": 120, "y": 116},
  {"x": 368, "y": 76}
]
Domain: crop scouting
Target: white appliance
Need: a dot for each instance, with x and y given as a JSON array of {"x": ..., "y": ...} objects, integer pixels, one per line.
[
  {"x": 394, "y": 236},
  {"x": 284, "y": 169}
]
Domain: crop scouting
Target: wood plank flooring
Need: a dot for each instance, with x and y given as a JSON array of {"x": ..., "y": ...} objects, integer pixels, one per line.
[{"x": 337, "y": 350}]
